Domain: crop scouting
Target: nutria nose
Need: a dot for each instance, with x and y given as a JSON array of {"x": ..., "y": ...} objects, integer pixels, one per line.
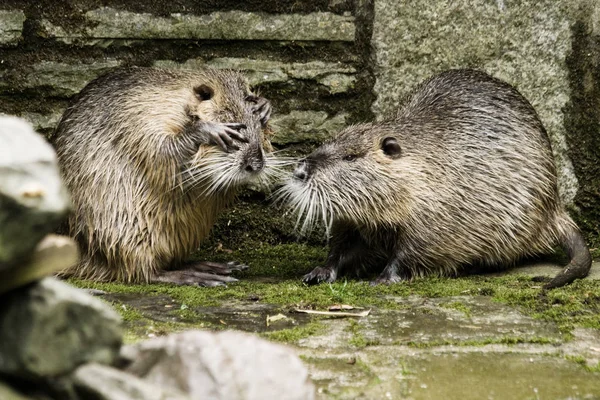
[
  {"x": 301, "y": 171},
  {"x": 255, "y": 164}
]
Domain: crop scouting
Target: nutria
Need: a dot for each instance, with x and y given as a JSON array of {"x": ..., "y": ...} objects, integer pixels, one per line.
[
  {"x": 151, "y": 156},
  {"x": 461, "y": 177}
]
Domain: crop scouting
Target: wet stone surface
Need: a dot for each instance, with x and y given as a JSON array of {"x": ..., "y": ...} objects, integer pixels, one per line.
[
  {"x": 381, "y": 373},
  {"x": 247, "y": 317},
  {"x": 426, "y": 322},
  {"x": 469, "y": 345}
]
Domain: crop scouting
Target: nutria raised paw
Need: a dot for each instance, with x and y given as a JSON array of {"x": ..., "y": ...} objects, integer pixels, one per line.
[
  {"x": 462, "y": 176},
  {"x": 151, "y": 157}
]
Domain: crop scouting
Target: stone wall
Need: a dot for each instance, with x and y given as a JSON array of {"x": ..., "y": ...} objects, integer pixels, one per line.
[
  {"x": 324, "y": 63},
  {"x": 547, "y": 49},
  {"x": 305, "y": 57}
]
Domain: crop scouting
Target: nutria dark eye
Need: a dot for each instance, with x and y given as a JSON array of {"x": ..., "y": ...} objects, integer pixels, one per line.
[
  {"x": 203, "y": 92},
  {"x": 350, "y": 157},
  {"x": 391, "y": 147}
]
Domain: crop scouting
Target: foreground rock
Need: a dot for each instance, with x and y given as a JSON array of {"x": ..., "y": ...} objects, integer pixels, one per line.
[
  {"x": 33, "y": 198},
  {"x": 50, "y": 328},
  {"x": 104, "y": 383},
  {"x": 7, "y": 393},
  {"x": 228, "y": 365},
  {"x": 54, "y": 253}
]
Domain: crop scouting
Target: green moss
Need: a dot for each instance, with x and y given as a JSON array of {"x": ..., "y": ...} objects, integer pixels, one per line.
[
  {"x": 128, "y": 314},
  {"x": 509, "y": 340},
  {"x": 139, "y": 326},
  {"x": 292, "y": 335},
  {"x": 274, "y": 278},
  {"x": 459, "y": 307},
  {"x": 358, "y": 339},
  {"x": 583, "y": 362}
]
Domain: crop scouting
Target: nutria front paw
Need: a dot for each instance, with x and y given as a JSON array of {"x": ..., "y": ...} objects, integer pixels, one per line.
[
  {"x": 222, "y": 134},
  {"x": 262, "y": 107},
  {"x": 320, "y": 274}
]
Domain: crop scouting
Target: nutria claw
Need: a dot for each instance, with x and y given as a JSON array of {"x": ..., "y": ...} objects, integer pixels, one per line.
[
  {"x": 221, "y": 134},
  {"x": 263, "y": 108},
  {"x": 320, "y": 274},
  {"x": 202, "y": 273}
]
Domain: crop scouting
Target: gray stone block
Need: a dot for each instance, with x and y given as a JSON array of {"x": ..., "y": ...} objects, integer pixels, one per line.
[
  {"x": 43, "y": 121},
  {"x": 525, "y": 43},
  {"x": 33, "y": 199},
  {"x": 595, "y": 18},
  {"x": 300, "y": 126},
  {"x": 60, "y": 79},
  {"x": 50, "y": 328},
  {"x": 104, "y": 383},
  {"x": 226, "y": 365},
  {"x": 11, "y": 26},
  {"x": 108, "y": 23},
  {"x": 53, "y": 254},
  {"x": 337, "y": 77}
]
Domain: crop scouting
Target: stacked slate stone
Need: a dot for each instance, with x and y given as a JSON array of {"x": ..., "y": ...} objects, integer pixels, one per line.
[{"x": 59, "y": 342}]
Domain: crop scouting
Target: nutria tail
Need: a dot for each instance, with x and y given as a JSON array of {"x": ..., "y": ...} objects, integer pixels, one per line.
[{"x": 581, "y": 259}]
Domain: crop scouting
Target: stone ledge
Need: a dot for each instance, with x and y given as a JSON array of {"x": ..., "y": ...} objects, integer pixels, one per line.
[
  {"x": 300, "y": 126},
  {"x": 62, "y": 79},
  {"x": 108, "y": 23},
  {"x": 295, "y": 127},
  {"x": 11, "y": 26},
  {"x": 43, "y": 121},
  {"x": 54, "y": 253},
  {"x": 337, "y": 77},
  {"x": 595, "y": 20}
]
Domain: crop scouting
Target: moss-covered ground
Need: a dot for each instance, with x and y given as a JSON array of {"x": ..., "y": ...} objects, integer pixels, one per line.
[
  {"x": 274, "y": 278},
  {"x": 411, "y": 328}
]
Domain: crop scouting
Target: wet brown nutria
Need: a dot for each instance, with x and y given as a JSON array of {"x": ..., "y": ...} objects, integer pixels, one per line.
[
  {"x": 151, "y": 156},
  {"x": 463, "y": 176}
]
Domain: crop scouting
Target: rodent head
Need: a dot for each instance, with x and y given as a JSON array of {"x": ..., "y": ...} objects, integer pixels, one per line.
[
  {"x": 224, "y": 96},
  {"x": 357, "y": 177}
]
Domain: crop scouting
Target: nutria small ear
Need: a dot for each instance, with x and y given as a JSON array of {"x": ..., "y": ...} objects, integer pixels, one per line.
[
  {"x": 203, "y": 92},
  {"x": 391, "y": 147}
]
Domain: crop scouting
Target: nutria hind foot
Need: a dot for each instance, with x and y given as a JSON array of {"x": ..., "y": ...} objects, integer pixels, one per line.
[
  {"x": 202, "y": 273},
  {"x": 388, "y": 276},
  {"x": 581, "y": 260},
  {"x": 216, "y": 268},
  {"x": 320, "y": 274}
]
